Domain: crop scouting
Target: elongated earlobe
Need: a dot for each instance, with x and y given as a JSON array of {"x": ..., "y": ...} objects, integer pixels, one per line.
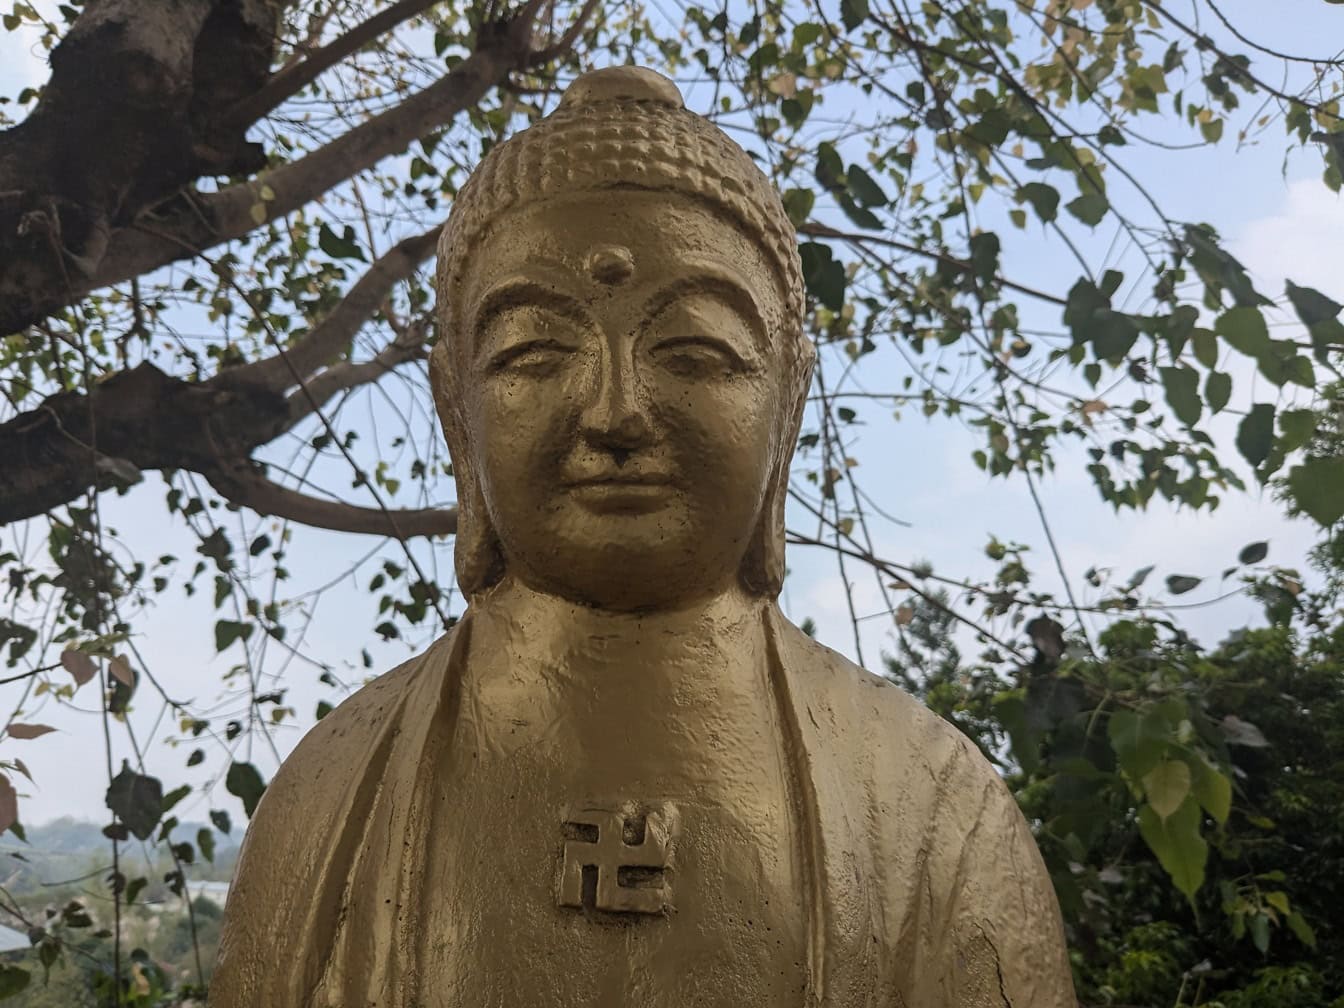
[
  {"x": 763, "y": 567},
  {"x": 477, "y": 554}
]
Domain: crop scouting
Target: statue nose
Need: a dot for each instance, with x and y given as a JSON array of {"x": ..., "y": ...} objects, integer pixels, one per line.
[{"x": 615, "y": 419}]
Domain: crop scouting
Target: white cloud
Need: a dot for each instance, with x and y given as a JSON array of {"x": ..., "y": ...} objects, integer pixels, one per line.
[{"x": 1302, "y": 241}]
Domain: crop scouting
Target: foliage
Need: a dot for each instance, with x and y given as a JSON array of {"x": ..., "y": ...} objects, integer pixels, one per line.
[
  {"x": 240, "y": 304},
  {"x": 1196, "y": 853}
]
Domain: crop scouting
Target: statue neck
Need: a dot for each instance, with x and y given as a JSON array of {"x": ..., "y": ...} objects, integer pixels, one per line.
[{"x": 550, "y": 624}]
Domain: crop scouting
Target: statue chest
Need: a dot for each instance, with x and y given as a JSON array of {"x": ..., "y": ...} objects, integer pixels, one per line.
[{"x": 590, "y": 856}]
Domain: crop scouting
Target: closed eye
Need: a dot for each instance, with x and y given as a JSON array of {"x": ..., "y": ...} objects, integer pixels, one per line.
[
  {"x": 696, "y": 356},
  {"x": 532, "y": 355}
]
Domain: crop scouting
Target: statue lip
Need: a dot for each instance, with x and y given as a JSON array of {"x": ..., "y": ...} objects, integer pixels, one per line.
[{"x": 622, "y": 479}]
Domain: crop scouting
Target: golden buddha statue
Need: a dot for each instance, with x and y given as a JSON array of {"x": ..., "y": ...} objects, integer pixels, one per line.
[{"x": 624, "y": 778}]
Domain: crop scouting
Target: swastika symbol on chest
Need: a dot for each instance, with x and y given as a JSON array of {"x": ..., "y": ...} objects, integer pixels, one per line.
[{"x": 615, "y": 861}]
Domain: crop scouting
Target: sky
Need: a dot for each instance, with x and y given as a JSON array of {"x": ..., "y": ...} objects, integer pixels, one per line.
[{"x": 1280, "y": 223}]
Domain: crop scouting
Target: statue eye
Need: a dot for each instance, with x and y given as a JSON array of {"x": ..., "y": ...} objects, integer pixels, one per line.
[
  {"x": 528, "y": 340},
  {"x": 697, "y": 357},
  {"x": 532, "y": 357}
]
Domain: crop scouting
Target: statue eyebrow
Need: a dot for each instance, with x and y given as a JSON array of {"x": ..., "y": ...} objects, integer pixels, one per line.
[
  {"x": 518, "y": 290},
  {"x": 705, "y": 276}
]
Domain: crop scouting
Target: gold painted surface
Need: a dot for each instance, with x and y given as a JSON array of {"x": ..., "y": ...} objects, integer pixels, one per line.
[{"x": 624, "y": 778}]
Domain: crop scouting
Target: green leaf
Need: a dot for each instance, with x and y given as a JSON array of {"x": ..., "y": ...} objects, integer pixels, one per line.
[
  {"x": 1255, "y": 433},
  {"x": 985, "y": 254},
  {"x": 1089, "y": 208},
  {"x": 1044, "y": 199},
  {"x": 205, "y": 840},
  {"x": 1167, "y": 786},
  {"x": 1296, "y": 427},
  {"x": 1311, "y": 305},
  {"x": 245, "y": 783},
  {"x": 220, "y": 819},
  {"x": 865, "y": 188},
  {"x": 1260, "y": 932},
  {"x": 1245, "y": 331},
  {"x": 1296, "y": 922},
  {"x": 1218, "y": 390},
  {"x": 1182, "y": 387},
  {"x": 1179, "y": 584},
  {"x": 174, "y": 796},
  {"x": 136, "y": 800},
  {"x": 228, "y": 631},
  {"x": 1138, "y": 740},
  {"x": 860, "y": 215},
  {"x": 823, "y": 276},
  {"x": 1175, "y": 839},
  {"x": 1317, "y": 487},
  {"x": 1253, "y": 553},
  {"x": 853, "y": 13},
  {"x": 343, "y": 246},
  {"x": 12, "y": 980},
  {"x": 798, "y": 204},
  {"x": 1213, "y": 791}
]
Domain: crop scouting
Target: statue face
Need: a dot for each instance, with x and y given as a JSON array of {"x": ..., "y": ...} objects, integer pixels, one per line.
[{"x": 623, "y": 395}]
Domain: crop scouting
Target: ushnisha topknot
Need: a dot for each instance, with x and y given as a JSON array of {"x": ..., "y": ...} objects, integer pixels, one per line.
[{"x": 620, "y": 128}]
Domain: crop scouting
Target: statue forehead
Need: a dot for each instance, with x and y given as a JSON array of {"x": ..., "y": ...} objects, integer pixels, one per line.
[{"x": 588, "y": 229}]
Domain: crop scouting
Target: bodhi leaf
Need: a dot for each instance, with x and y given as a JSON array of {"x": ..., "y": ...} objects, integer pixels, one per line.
[
  {"x": 1167, "y": 785},
  {"x": 1182, "y": 388},
  {"x": 244, "y": 782},
  {"x": 1138, "y": 740},
  {"x": 136, "y": 800},
  {"x": 1255, "y": 433},
  {"x": 1218, "y": 390},
  {"x": 1179, "y": 584},
  {"x": 1175, "y": 840},
  {"x": 1253, "y": 553},
  {"x": 864, "y": 188},
  {"x": 1317, "y": 487},
  {"x": 1089, "y": 208},
  {"x": 1044, "y": 199},
  {"x": 1213, "y": 790}
]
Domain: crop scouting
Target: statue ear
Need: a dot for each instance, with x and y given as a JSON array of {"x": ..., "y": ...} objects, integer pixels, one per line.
[
  {"x": 477, "y": 554},
  {"x": 763, "y": 567}
]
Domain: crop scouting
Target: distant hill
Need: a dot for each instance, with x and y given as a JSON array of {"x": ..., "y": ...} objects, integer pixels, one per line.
[{"x": 67, "y": 849}]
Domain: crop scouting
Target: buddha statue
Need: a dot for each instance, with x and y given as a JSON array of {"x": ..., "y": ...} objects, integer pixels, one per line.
[{"x": 624, "y": 778}]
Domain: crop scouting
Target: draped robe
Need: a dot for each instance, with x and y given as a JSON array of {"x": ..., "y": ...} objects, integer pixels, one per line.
[{"x": 915, "y": 881}]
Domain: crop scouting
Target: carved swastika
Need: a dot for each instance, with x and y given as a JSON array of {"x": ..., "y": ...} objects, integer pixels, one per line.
[{"x": 615, "y": 862}]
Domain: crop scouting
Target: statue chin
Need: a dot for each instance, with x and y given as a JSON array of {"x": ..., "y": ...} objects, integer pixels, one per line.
[{"x": 629, "y": 576}]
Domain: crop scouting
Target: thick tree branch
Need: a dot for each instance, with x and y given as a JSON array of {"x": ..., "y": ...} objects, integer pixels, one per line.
[
  {"x": 246, "y": 486},
  {"x": 132, "y": 113},
  {"x": 331, "y": 337},
  {"x": 135, "y": 420},
  {"x": 225, "y": 216}
]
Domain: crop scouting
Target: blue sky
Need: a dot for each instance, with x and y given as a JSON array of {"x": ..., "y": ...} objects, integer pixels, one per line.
[{"x": 1280, "y": 223}]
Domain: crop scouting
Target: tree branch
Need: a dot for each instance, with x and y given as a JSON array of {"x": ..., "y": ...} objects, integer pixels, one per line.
[
  {"x": 561, "y": 45},
  {"x": 331, "y": 337},
  {"x": 814, "y": 230},
  {"x": 346, "y": 375},
  {"x": 245, "y": 485},
  {"x": 294, "y": 78}
]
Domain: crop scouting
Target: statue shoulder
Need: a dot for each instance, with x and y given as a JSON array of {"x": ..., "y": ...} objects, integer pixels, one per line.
[
  {"x": 340, "y": 748},
  {"x": 876, "y": 713}
]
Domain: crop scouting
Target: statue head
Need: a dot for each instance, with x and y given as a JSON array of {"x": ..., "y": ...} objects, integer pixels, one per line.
[{"x": 621, "y": 367}]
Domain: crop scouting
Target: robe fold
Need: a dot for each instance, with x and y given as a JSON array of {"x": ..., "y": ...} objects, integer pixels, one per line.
[{"x": 924, "y": 887}]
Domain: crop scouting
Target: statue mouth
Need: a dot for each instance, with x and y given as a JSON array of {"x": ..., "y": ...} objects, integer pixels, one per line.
[
  {"x": 623, "y": 493},
  {"x": 616, "y": 480}
]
